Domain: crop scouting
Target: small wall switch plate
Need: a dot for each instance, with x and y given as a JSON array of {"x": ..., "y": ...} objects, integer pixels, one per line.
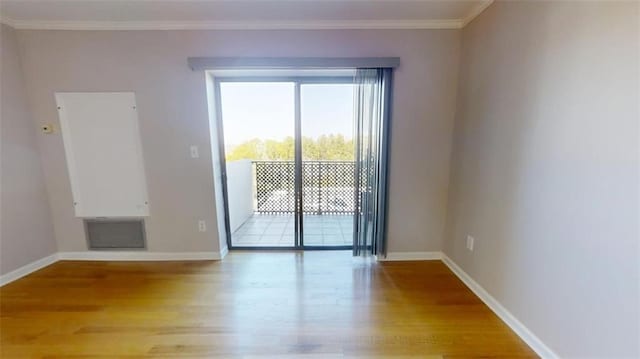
[
  {"x": 470, "y": 242},
  {"x": 202, "y": 226},
  {"x": 47, "y": 128},
  {"x": 194, "y": 152}
]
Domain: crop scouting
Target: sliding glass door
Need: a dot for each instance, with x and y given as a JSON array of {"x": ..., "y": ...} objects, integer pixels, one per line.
[
  {"x": 304, "y": 160},
  {"x": 289, "y": 161}
]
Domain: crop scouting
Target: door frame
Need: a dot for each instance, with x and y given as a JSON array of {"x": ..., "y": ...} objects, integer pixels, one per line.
[{"x": 298, "y": 81}]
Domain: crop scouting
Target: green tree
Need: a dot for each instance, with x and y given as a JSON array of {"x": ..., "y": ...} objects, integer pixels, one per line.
[
  {"x": 326, "y": 147},
  {"x": 248, "y": 150}
]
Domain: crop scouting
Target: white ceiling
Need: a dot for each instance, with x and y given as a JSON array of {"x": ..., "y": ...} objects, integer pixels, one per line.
[{"x": 239, "y": 14}]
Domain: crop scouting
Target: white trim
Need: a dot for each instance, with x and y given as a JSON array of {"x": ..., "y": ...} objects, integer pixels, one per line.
[
  {"x": 234, "y": 25},
  {"x": 109, "y": 256},
  {"x": 475, "y": 12},
  {"x": 7, "y": 21},
  {"x": 223, "y": 252},
  {"x": 520, "y": 329},
  {"x": 137, "y": 256},
  {"x": 411, "y": 256},
  {"x": 28, "y": 269}
]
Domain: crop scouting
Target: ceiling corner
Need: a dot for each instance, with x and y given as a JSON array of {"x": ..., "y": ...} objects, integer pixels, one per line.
[{"x": 476, "y": 11}]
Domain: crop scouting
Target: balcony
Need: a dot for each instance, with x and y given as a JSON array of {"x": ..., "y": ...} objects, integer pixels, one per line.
[{"x": 262, "y": 202}]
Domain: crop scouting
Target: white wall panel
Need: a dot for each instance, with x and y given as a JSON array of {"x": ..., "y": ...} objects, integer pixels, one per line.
[{"x": 103, "y": 151}]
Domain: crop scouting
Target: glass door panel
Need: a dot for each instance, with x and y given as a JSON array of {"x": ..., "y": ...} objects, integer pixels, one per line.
[
  {"x": 328, "y": 167},
  {"x": 259, "y": 130}
]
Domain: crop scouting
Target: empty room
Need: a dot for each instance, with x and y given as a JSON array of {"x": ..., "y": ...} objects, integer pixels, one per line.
[{"x": 439, "y": 179}]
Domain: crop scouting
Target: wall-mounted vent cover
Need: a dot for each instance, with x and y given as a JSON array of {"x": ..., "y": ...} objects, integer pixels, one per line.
[{"x": 115, "y": 234}]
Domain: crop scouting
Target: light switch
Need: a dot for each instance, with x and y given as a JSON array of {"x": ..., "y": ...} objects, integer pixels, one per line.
[
  {"x": 470, "y": 243},
  {"x": 194, "y": 152}
]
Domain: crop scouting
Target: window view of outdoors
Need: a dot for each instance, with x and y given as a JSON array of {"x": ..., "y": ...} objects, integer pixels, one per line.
[
  {"x": 328, "y": 167},
  {"x": 259, "y": 134}
]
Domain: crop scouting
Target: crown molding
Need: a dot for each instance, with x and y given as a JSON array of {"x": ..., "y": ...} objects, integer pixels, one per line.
[
  {"x": 234, "y": 25},
  {"x": 475, "y": 12},
  {"x": 251, "y": 25}
]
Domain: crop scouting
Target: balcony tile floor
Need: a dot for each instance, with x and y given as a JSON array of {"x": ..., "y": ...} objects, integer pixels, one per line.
[{"x": 267, "y": 230}]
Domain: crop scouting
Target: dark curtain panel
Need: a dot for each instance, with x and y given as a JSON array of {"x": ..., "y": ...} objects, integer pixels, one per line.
[{"x": 372, "y": 115}]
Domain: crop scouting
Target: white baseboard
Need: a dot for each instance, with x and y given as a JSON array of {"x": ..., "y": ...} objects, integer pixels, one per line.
[
  {"x": 109, "y": 256},
  {"x": 520, "y": 329},
  {"x": 223, "y": 252},
  {"x": 411, "y": 256},
  {"x": 27, "y": 269},
  {"x": 138, "y": 256}
]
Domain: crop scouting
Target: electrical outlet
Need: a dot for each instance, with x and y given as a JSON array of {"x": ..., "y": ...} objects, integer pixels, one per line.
[
  {"x": 48, "y": 128},
  {"x": 194, "y": 152},
  {"x": 470, "y": 242},
  {"x": 202, "y": 226}
]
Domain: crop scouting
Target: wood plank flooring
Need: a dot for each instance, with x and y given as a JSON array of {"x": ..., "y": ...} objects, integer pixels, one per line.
[{"x": 251, "y": 305}]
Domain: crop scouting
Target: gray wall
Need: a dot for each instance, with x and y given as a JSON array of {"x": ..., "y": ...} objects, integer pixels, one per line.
[
  {"x": 545, "y": 170},
  {"x": 172, "y": 110},
  {"x": 26, "y": 233}
]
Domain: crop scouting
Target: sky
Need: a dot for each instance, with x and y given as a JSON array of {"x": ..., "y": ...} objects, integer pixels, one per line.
[{"x": 266, "y": 110}]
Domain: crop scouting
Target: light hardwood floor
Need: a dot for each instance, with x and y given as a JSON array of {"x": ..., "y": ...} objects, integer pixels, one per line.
[{"x": 251, "y": 305}]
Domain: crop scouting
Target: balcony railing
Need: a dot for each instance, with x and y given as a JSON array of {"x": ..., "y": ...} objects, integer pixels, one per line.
[{"x": 327, "y": 186}]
